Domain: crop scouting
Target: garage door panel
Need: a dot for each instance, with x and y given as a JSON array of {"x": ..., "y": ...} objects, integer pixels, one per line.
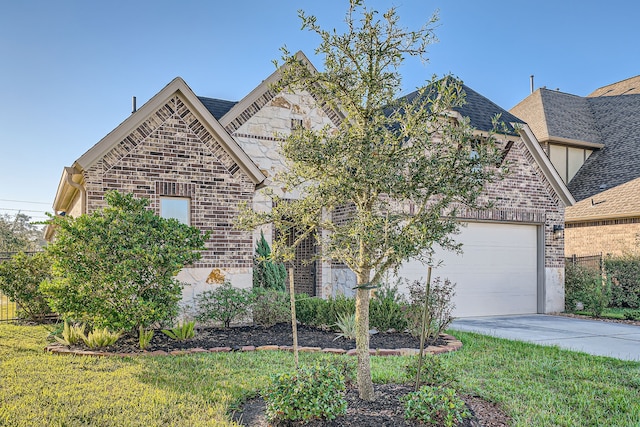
[{"x": 495, "y": 274}]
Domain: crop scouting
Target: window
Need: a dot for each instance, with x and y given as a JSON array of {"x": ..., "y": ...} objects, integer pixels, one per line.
[
  {"x": 176, "y": 207},
  {"x": 567, "y": 160}
]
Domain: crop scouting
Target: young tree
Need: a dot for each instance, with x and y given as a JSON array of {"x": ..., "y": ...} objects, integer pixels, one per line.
[
  {"x": 266, "y": 273},
  {"x": 401, "y": 165},
  {"x": 116, "y": 267}
]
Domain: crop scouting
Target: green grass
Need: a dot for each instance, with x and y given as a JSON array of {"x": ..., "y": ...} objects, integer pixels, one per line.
[
  {"x": 537, "y": 386},
  {"x": 610, "y": 313}
]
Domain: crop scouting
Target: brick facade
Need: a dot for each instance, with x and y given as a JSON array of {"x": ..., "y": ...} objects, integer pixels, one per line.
[
  {"x": 615, "y": 237},
  {"x": 172, "y": 154}
]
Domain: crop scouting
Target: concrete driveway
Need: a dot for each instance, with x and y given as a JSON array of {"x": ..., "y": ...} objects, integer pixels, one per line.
[{"x": 589, "y": 336}]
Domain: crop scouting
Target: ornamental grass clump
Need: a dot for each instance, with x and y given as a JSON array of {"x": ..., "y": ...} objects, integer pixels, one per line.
[
  {"x": 181, "y": 332},
  {"x": 100, "y": 338},
  {"x": 305, "y": 394},
  {"x": 72, "y": 334},
  {"x": 144, "y": 337}
]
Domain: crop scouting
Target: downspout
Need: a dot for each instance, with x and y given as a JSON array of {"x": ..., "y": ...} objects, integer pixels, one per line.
[{"x": 83, "y": 193}]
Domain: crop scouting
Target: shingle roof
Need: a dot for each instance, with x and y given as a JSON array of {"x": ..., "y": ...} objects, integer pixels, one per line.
[
  {"x": 612, "y": 120},
  {"x": 481, "y": 111},
  {"x": 625, "y": 87},
  {"x": 622, "y": 201},
  {"x": 217, "y": 107},
  {"x": 618, "y": 121}
]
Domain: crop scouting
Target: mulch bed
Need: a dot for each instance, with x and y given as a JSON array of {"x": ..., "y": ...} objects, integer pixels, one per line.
[{"x": 386, "y": 410}]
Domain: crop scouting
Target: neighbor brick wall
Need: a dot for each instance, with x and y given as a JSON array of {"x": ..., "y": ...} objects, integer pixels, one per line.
[
  {"x": 173, "y": 154},
  {"x": 615, "y": 237}
]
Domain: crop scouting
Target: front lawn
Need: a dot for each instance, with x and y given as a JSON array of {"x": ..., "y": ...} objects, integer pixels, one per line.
[{"x": 537, "y": 386}]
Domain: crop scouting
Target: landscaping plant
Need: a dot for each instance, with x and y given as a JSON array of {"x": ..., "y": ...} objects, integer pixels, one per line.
[
  {"x": 100, "y": 338},
  {"x": 624, "y": 272},
  {"x": 266, "y": 273},
  {"x": 586, "y": 286},
  {"x": 440, "y": 308},
  {"x": 224, "y": 304},
  {"x": 305, "y": 394},
  {"x": 387, "y": 151},
  {"x": 116, "y": 267},
  {"x": 387, "y": 309},
  {"x": 346, "y": 324},
  {"x": 20, "y": 279},
  {"x": 312, "y": 311},
  {"x": 144, "y": 337},
  {"x": 270, "y": 307},
  {"x": 181, "y": 332},
  {"x": 438, "y": 406},
  {"x": 72, "y": 334}
]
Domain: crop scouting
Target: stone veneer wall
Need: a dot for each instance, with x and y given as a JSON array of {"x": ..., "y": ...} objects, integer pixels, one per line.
[
  {"x": 173, "y": 154},
  {"x": 615, "y": 237}
]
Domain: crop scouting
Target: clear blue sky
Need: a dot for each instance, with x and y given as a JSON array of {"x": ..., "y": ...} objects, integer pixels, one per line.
[{"x": 69, "y": 68}]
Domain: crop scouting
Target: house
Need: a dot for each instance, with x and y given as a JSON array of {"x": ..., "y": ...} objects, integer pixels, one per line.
[
  {"x": 198, "y": 159},
  {"x": 594, "y": 144}
]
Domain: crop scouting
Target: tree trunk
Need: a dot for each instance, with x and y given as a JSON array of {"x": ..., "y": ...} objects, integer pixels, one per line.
[{"x": 365, "y": 384}]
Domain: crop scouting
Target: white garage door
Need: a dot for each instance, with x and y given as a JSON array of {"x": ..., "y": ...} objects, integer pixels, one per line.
[{"x": 496, "y": 274}]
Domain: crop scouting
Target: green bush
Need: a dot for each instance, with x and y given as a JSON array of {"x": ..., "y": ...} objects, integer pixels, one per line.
[
  {"x": 624, "y": 272},
  {"x": 632, "y": 315},
  {"x": 266, "y": 273},
  {"x": 387, "y": 309},
  {"x": 20, "y": 279},
  {"x": 437, "y": 406},
  {"x": 585, "y": 285},
  {"x": 116, "y": 267},
  {"x": 306, "y": 394},
  {"x": 312, "y": 311},
  {"x": 270, "y": 307},
  {"x": 224, "y": 304}
]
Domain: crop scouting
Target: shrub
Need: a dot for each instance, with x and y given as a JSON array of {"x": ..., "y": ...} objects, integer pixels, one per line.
[
  {"x": 346, "y": 324},
  {"x": 435, "y": 406},
  {"x": 20, "y": 278},
  {"x": 116, "y": 267},
  {"x": 625, "y": 277},
  {"x": 181, "y": 332},
  {"x": 308, "y": 393},
  {"x": 439, "y": 308},
  {"x": 585, "y": 285},
  {"x": 266, "y": 273},
  {"x": 99, "y": 338},
  {"x": 312, "y": 311},
  {"x": 632, "y": 315},
  {"x": 224, "y": 304},
  {"x": 72, "y": 334},
  {"x": 387, "y": 309},
  {"x": 270, "y": 307}
]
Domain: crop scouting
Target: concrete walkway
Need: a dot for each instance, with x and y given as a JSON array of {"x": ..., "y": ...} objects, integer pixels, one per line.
[{"x": 589, "y": 336}]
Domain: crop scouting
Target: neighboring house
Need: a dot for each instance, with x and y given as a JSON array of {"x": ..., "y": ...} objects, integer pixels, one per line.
[
  {"x": 594, "y": 143},
  {"x": 198, "y": 159}
]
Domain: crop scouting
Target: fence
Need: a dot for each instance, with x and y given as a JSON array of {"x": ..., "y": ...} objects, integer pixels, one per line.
[{"x": 590, "y": 261}]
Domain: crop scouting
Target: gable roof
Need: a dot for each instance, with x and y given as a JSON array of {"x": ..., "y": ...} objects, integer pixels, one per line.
[
  {"x": 622, "y": 201},
  {"x": 479, "y": 109},
  {"x": 177, "y": 85},
  {"x": 608, "y": 122}
]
